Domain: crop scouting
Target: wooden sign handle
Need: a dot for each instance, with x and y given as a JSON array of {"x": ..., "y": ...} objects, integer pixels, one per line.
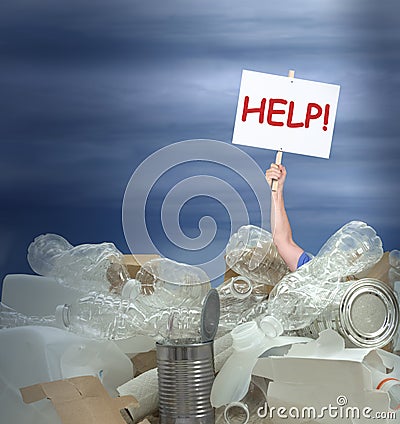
[
  {"x": 278, "y": 161},
  {"x": 279, "y": 153}
]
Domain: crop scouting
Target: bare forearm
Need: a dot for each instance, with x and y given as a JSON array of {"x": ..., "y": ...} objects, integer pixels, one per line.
[{"x": 280, "y": 226}]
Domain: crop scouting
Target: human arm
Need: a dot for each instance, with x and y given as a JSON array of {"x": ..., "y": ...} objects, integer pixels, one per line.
[{"x": 280, "y": 225}]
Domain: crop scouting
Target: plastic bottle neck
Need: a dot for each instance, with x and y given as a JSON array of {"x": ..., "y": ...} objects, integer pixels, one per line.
[
  {"x": 246, "y": 336},
  {"x": 63, "y": 316}
]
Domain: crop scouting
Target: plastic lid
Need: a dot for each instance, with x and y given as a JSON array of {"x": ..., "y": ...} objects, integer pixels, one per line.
[
  {"x": 131, "y": 289},
  {"x": 210, "y": 316},
  {"x": 271, "y": 327}
]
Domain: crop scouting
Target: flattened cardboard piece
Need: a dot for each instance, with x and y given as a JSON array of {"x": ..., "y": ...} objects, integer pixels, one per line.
[
  {"x": 80, "y": 400},
  {"x": 134, "y": 262},
  {"x": 145, "y": 361}
]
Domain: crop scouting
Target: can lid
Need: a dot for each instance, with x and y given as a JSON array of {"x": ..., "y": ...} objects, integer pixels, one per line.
[
  {"x": 210, "y": 316},
  {"x": 369, "y": 313}
]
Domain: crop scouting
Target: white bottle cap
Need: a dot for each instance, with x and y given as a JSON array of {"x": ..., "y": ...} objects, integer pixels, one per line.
[
  {"x": 131, "y": 289},
  {"x": 271, "y": 326}
]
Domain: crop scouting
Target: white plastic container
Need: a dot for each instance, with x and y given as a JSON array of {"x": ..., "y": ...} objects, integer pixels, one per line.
[
  {"x": 249, "y": 342},
  {"x": 31, "y": 355}
]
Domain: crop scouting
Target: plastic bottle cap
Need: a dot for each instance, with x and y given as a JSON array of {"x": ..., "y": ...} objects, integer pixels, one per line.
[
  {"x": 271, "y": 326},
  {"x": 236, "y": 407},
  {"x": 131, "y": 289},
  {"x": 61, "y": 311}
]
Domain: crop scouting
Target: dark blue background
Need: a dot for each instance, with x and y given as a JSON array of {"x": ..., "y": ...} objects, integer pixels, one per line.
[{"x": 90, "y": 88}]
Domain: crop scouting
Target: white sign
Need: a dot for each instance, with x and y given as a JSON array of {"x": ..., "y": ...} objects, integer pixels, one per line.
[{"x": 288, "y": 114}]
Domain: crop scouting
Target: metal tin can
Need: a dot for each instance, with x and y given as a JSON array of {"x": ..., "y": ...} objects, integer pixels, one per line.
[
  {"x": 185, "y": 378},
  {"x": 366, "y": 315}
]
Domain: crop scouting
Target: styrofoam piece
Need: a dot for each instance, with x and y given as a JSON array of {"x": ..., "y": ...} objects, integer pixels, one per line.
[{"x": 34, "y": 295}]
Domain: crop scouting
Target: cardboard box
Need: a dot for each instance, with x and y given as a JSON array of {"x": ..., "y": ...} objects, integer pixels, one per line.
[
  {"x": 80, "y": 400},
  {"x": 134, "y": 262}
]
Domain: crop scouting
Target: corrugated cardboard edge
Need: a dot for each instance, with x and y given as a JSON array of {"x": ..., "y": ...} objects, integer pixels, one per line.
[
  {"x": 80, "y": 400},
  {"x": 135, "y": 261}
]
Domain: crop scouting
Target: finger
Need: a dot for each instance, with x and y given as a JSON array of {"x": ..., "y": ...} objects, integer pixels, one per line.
[{"x": 273, "y": 175}]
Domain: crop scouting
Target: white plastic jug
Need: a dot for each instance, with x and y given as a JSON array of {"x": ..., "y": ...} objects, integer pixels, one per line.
[
  {"x": 249, "y": 342},
  {"x": 31, "y": 355}
]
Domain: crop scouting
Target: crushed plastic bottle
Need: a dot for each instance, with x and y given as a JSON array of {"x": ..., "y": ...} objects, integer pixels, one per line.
[
  {"x": 354, "y": 248},
  {"x": 301, "y": 296},
  {"x": 394, "y": 259},
  {"x": 241, "y": 412},
  {"x": 164, "y": 302},
  {"x": 106, "y": 316},
  {"x": 85, "y": 267},
  {"x": 109, "y": 317},
  {"x": 240, "y": 301},
  {"x": 394, "y": 270},
  {"x": 164, "y": 282},
  {"x": 251, "y": 253}
]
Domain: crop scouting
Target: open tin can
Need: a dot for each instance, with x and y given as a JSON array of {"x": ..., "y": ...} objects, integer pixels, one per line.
[{"x": 366, "y": 315}]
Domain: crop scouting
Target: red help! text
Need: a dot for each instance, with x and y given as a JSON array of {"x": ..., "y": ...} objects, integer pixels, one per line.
[{"x": 280, "y": 112}]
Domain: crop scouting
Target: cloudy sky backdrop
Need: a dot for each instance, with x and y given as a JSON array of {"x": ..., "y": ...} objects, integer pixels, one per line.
[{"x": 89, "y": 89}]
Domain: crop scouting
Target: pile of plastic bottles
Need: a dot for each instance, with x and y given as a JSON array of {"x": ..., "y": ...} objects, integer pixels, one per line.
[
  {"x": 264, "y": 306},
  {"x": 164, "y": 300}
]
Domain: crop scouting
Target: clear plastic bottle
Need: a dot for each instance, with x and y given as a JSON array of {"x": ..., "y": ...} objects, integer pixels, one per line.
[
  {"x": 103, "y": 316},
  {"x": 85, "y": 267},
  {"x": 394, "y": 270},
  {"x": 354, "y": 248},
  {"x": 301, "y": 296},
  {"x": 110, "y": 317},
  {"x": 164, "y": 282},
  {"x": 251, "y": 252},
  {"x": 243, "y": 411},
  {"x": 394, "y": 259},
  {"x": 240, "y": 301}
]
